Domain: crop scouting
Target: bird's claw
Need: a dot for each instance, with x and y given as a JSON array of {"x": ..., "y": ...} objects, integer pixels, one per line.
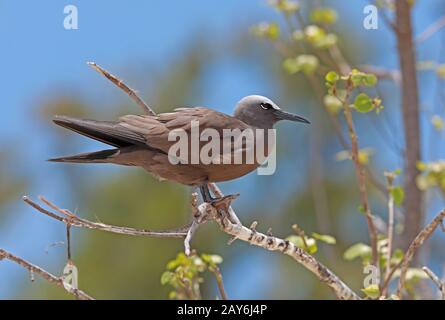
[{"x": 224, "y": 202}]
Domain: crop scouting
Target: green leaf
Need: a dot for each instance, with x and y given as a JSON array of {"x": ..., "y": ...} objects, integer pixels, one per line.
[
  {"x": 437, "y": 122},
  {"x": 358, "y": 250},
  {"x": 172, "y": 295},
  {"x": 267, "y": 30},
  {"x": 441, "y": 71},
  {"x": 398, "y": 194},
  {"x": 317, "y": 37},
  {"x": 326, "y": 41},
  {"x": 372, "y": 291},
  {"x": 397, "y": 256},
  {"x": 364, "y": 156},
  {"x": 298, "y": 241},
  {"x": 305, "y": 62},
  {"x": 323, "y": 16},
  {"x": 291, "y": 66},
  {"x": 332, "y": 104},
  {"x": 167, "y": 277},
  {"x": 212, "y": 259},
  {"x": 370, "y": 80},
  {"x": 286, "y": 6},
  {"x": 325, "y": 238},
  {"x": 363, "y": 103},
  {"x": 413, "y": 275},
  {"x": 308, "y": 63},
  {"x": 313, "y": 33},
  {"x": 332, "y": 76},
  {"x": 421, "y": 166}
]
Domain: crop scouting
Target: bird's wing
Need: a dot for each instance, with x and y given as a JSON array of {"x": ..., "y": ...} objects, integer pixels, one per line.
[
  {"x": 156, "y": 129},
  {"x": 105, "y": 131}
]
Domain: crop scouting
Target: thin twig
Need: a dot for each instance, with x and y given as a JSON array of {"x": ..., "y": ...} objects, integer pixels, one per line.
[
  {"x": 390, "y": 177},
  {"x": 436, "y": 280},
  {"x": 118, "y": 82},
  {"x": 431, "y": 30},
  {"x": 361, "y": 177},
  {"x": 189, "y": 237},
  {"x": 381, "y": 73},
  {"x": 44, "y": 274},
  {"x": 388, "y": 277},
  {"x": 76, "y": 221},
  {"x": 417, "y": 242},
  {"x": 300, "y": 232},
  {"x": 68, "y": 241},
  {"x": 219, "y": 281}
]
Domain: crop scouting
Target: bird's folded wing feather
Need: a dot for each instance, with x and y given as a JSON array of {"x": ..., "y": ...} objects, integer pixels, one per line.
[{"x": 156, "y": 129}]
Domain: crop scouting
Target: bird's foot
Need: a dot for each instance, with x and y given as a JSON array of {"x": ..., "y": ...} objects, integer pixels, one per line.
[{"x": 223, "y": 202}]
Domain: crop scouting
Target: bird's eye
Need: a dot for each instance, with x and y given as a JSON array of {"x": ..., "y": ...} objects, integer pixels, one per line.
[{"x": 266, "y": 105}]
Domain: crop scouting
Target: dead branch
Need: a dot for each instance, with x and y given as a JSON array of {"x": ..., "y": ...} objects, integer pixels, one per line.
[
  {"x": 118, "y": 82},
  {"x": 436, "y": 280},
  {"x": 417, "y": 242},
  {"x": 219, "y": 212},
  {"x": 69, "y": 218},
  {"x": 59, "y": 281},
  {"x": 431, "y": 30},
  {"x": 390, "y": 234}
]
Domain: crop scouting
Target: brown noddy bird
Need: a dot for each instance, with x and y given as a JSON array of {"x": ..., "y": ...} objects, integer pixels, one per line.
[{"x": 142, "y": 140}]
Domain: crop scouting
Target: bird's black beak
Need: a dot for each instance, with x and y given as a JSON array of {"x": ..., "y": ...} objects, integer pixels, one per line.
[{"x": 283, "y": 115}]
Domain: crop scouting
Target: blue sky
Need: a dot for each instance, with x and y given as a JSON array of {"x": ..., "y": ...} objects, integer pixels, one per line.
[{"x": 39, "y": 56}]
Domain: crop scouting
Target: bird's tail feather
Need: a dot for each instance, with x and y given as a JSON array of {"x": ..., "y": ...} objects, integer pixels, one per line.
[
  {"x": 103, "y": 156},
  {"x": 108, "y": 132}
]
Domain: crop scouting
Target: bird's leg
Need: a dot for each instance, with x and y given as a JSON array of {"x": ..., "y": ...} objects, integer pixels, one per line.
[
  {"x": 205, "y": 193},
  {"x": 218, "y": 202}
]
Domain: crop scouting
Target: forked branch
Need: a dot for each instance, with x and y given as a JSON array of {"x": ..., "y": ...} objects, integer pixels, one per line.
[
  {"x": 59, "y": 281},
  {"x": 417, "y": 242}
]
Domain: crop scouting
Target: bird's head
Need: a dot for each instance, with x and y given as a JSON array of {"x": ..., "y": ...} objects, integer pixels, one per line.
[{"x": 261, "y": 112}]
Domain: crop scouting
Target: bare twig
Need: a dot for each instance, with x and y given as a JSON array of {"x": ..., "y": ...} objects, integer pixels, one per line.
[
  {"x": 381, "y": 73},
  {"x": 390, "y": 178},
  {"x": 436, "y": 280},
  {"x": 219, "y": 281},
  {"x": 300, "y": 233},
  {"x": 44, "y": 274},
  {"x": 68, "y": 241},
  {"x": 118, "y": 82},
  {"x": 339, "y": 59},
  {"x": 417, "y": 242},
  {"x": 73, "y": 220},
  {"x": 388, "y": 277},
  {"x": 431, "y": 30},
  {"x": 360, "y": 173}
]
